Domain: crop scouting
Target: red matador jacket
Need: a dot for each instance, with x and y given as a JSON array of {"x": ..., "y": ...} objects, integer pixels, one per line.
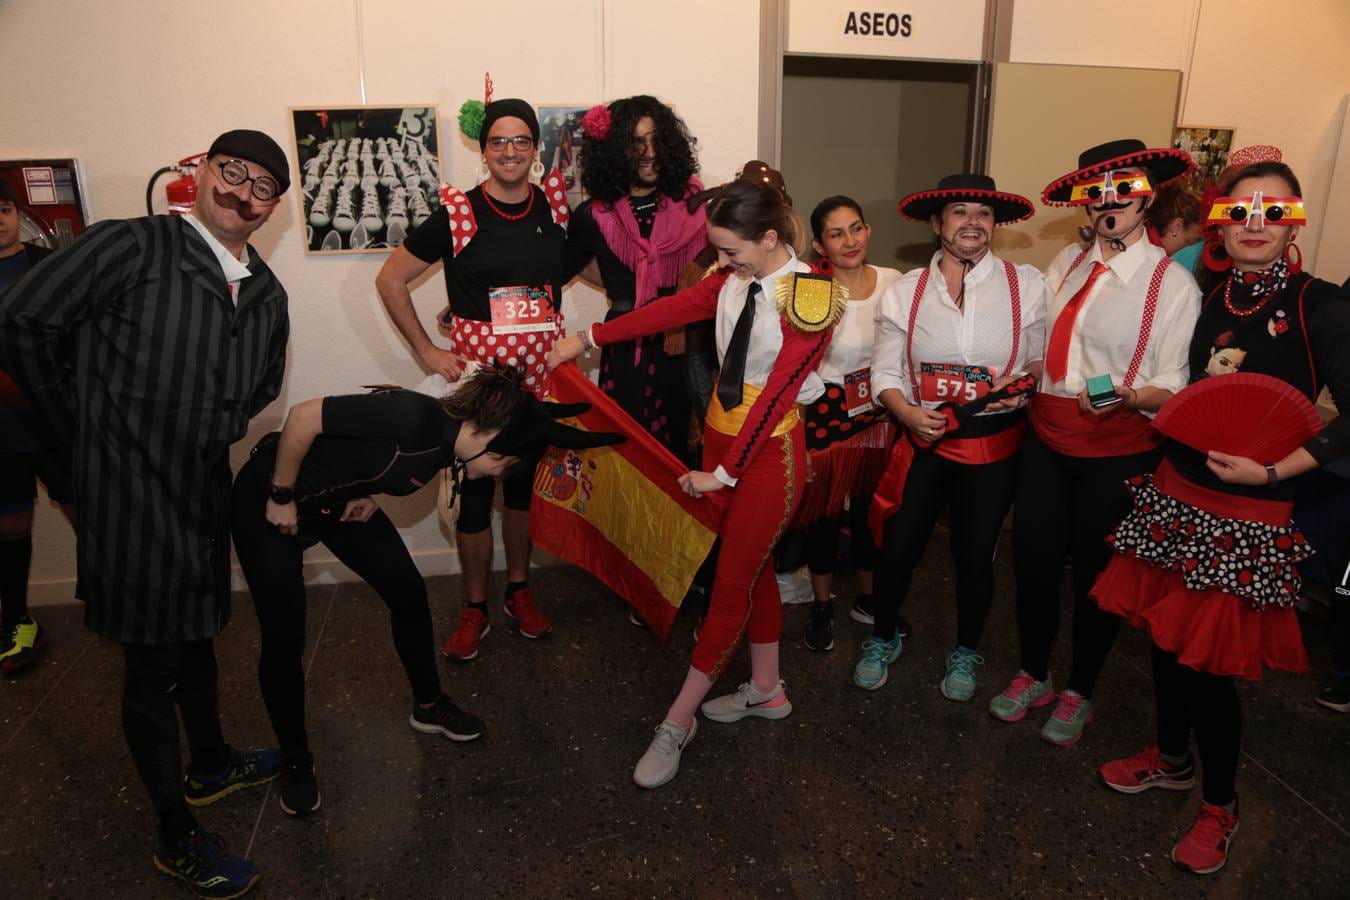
[{"x": 798, "y": 358}]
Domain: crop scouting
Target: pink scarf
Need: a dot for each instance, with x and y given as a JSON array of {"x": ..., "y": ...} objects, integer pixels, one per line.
[{"x": 677, "y": 237}]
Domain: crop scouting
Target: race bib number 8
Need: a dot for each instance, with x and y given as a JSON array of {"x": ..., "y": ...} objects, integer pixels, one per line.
[
  {"x": 516, "y": 310},
  {"x": 953, "y": 382},
  {"x": 858, "y": 392}
]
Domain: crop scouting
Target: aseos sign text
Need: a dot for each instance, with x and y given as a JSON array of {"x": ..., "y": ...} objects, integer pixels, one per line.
[{"x": 878, "y": 24}]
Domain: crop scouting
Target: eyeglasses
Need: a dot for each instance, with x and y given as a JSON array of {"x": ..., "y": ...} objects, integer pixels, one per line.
[
  {"x": 1112, "y": 186},
  {"x": 522, "y": 142},
  {"x": 1256, "y": 212},
  {"x": 234, "y": 173}
]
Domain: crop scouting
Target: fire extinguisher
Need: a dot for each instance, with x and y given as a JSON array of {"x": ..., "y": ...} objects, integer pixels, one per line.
[{"x": 182, "y": 191}]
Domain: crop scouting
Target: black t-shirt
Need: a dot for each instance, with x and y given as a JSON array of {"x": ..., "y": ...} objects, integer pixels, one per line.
[
  {"x": 585, "y": 242},
  {"x": 524, "y": 253},
  {"x": 1306, "y": 345},
  {"x": 389, "y": 442}
]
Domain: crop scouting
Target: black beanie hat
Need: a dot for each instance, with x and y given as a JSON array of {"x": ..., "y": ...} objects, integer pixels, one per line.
[
  {"x": 509, "y": 108},
  {"x": 255, "y": 147}
]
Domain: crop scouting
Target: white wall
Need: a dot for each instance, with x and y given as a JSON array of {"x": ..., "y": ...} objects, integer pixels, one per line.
[{"x": 140, "y": 85}]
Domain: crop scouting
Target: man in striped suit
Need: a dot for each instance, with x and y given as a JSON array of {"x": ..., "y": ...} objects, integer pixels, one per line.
[{"x": 149, "y": 344}]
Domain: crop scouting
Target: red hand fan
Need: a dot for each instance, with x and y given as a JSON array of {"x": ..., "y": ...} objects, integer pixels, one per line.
[{"x": 1244, "y": 414}]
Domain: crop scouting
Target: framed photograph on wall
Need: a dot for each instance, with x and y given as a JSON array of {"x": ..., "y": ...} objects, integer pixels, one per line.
[
  {"x": 560, "y": 144},
  {"x": 1209, "y": 147},
  {"x": 368, "y": 174}
]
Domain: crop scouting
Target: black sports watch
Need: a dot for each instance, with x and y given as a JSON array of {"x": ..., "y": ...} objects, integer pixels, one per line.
[{"x": 281, "y": 494}]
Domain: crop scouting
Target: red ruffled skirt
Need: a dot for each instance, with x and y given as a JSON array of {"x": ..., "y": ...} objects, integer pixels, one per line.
[{"x": 1182, "y": 558}]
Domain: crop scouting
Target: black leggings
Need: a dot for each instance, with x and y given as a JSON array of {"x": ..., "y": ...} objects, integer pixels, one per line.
[
  {"x": 475, "y": 502},
  {"x": 1340, "y": 616},
  {"x": 1066, "y": 507},
  {"x": 978, "y": 498},
  {"x": 164, "y": 681},
  {"x": 1208, "y": 705},
  {"x": 822, "y": 539},
  {"x": 272, "y": 566}
]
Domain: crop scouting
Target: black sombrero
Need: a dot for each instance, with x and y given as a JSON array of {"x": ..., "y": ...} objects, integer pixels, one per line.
[
  {"x": 1164, "y": 164},
  {"x": 966, "y": 188}
]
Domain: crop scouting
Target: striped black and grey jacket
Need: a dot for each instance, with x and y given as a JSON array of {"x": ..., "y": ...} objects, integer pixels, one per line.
[{"x": 130, "y": 346}]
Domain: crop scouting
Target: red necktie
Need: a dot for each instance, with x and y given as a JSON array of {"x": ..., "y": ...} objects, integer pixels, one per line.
[{"x": 1057, "y": 354}]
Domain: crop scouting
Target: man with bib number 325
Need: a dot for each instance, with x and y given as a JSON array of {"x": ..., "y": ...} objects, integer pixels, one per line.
[{"x": 501, "y": 245}]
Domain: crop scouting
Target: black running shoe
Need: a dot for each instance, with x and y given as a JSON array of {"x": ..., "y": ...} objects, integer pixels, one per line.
[
  {"x": 820, "y": 627},
  {"x": 863, "y": 607},
  {"x": 444, "y": 717},
  {"x": 1335, "y": 694},
  {"x": 201, "y": 860},
  {"x": 299, "y": 787},
  {"x": 244, "y": 770}
]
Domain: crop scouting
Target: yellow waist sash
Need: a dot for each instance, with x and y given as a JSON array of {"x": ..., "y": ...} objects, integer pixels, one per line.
[{"x": 730, "y": 421}]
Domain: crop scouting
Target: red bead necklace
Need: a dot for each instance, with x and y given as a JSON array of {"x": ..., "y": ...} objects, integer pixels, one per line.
[
  {"x": 1242, "y": 313},
  {"x": 510, "y": 217}
]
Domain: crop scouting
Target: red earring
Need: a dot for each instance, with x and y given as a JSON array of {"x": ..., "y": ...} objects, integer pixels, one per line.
[
  {"x": 1293, "y": 257},
  {"x": 1215, "y": 257}
]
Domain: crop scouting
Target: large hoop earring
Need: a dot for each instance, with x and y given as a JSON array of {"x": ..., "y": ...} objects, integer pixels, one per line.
[
  {"x": 481, "y": 172},
  {"x": 537, "y": 170},
  {"x": 1293, "y": 258},
  {"x": 1215, "y": 257}
]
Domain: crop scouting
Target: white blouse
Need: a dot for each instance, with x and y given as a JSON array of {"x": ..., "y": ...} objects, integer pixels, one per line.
[
  {"x": 851, "y": 346},
  {"x": 1106, "y": 331},
  {"x": 766, "y": 334},
  {"x": 982, "y": 335}
]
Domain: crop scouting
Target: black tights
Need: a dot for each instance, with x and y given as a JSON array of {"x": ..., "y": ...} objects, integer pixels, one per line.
[
  {"x": 272, "y": 565},
  {"x": 977, "y": 498},
  {"x": 822, "y": 539},
  {"x": 164, "y": 681},
  {"x": 1066, "y": 506},
  {"x": 1208, "y": 705}
]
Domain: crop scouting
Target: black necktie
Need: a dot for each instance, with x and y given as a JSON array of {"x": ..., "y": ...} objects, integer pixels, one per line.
[{"x": 729, "y": 383}]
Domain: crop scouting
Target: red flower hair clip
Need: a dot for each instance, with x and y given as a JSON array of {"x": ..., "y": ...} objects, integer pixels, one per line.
[{"x": 596, "y": 122}]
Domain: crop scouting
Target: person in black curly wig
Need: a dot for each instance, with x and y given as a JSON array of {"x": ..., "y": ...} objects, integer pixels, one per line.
[
  {"x": 639, "y": 156},
  {"x": 638, "y": 167}
]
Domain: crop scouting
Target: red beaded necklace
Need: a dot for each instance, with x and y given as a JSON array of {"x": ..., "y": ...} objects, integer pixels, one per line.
[
  {"x": 510, "y": 217},
  {"x": 1242, "y": 313}
]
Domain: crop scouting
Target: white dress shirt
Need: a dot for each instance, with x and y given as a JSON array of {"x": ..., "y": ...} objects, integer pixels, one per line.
[
  {"x": 234, "y": 270},
  {"x": 851, "y": 346},
  {"x": 1106, "y": 331},
  {"x": 979, "y": 335},
  {"x": 766, "y": 334}
]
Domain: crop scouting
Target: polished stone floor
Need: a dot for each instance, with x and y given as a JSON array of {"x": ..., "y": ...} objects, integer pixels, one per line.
[{"x": 887, "y": 794}]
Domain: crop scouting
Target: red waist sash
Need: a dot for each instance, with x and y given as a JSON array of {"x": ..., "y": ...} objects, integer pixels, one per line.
[
  {"x": 1067, "y": 429},
  {"x": 974, "y": 451}
]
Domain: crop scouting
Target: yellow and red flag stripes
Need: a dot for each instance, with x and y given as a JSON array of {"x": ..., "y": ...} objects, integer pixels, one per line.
[{"x": 618, "y": 512}]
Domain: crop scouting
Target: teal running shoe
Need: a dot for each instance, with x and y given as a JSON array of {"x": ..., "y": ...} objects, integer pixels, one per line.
[
  {"x": 1023, "y": 694},
  {"x": 877, "y": 655},
  {"x": 1065, "y": 726},
  {"x": 959, "y": 682}
]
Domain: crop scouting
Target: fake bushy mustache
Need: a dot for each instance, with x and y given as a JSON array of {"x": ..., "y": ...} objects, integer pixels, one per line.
[{"x": 1110, "y": 207}]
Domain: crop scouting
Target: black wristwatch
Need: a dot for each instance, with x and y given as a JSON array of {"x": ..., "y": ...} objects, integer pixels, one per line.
[
  {"x": 281, "y": 494},
  {"x": 1272, "y": 477}
]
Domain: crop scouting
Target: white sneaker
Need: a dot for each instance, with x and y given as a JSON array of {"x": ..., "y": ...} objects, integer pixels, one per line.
[
  {"x": 321, "y": 212},
  {"x": 370, "y": 211},
  {"x": 747, "y": 701},
  {"x": 398, "y": 208},
  {"x": 662, "y": 759},
  {"x": 420, "y": 210},
  {"x": 344, "y": 211}
]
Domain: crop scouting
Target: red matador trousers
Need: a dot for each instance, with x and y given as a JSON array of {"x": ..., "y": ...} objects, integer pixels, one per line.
[{"x": 745, "y": 591}]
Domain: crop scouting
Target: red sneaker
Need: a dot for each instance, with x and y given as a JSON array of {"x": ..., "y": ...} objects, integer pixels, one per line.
[
  {"x": 473, "y": 627},
  {"x": 1204, "y": 849},
  {"x": 1147, "y": 770},
  {"x": 531, "y": 622}
]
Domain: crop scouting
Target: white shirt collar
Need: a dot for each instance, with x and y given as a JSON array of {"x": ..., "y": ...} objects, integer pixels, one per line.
[
  {"x": 1125, "y": 263},
  {"x": 236, "y": 270},
  {"x": 766, "y": 283},
  {"x": 978, "y": 272}
]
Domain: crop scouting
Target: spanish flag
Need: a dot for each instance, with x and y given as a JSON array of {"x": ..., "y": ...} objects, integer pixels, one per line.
[{"x": 618, "y": 512}]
